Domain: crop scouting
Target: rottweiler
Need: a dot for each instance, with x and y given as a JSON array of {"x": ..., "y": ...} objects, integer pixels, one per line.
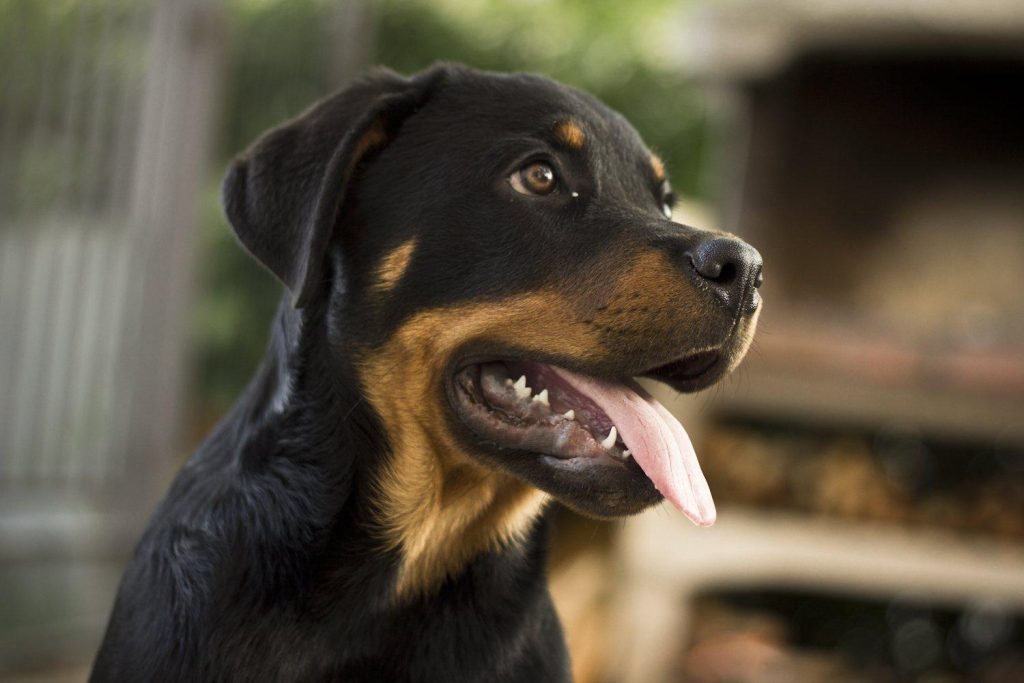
[{"x": 476, "y": 266}]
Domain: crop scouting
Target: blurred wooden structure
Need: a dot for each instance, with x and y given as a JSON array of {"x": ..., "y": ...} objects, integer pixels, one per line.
[
  {"x": 95, "y": 272},
  {"x": 873, "y": 156}
]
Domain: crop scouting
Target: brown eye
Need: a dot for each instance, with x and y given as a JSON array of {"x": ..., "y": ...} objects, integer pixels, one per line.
[{"x": 534, "y": 178}]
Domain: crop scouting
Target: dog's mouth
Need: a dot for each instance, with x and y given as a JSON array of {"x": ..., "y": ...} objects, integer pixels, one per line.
[{"x": 579, "y": 421}]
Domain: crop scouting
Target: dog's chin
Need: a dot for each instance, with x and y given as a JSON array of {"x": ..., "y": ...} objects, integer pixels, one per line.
[{"x": 532, "y": 420}]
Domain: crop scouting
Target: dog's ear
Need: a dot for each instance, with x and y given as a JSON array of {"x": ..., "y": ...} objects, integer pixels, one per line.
[{"x": 284, "y": 195}]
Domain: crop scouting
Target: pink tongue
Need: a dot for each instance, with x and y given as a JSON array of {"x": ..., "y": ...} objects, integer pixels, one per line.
[{"x": 658, "y": 442}]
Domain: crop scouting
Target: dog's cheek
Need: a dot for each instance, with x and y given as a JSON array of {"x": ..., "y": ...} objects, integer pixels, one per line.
[{"x": 436, "y": 504}]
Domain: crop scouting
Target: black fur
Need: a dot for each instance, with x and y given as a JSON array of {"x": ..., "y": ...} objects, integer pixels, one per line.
[{"x": 263, "y": 562}]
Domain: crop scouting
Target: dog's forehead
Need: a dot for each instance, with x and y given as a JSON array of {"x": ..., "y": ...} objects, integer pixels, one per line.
[{"x": 494, "y": 106}]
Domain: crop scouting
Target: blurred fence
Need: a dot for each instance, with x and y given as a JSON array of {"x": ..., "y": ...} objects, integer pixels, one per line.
[{"x": 105, "y": 113}]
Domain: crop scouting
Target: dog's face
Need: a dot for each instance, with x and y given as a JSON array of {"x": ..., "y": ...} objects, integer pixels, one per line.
[{"x": 497, "y": 251}]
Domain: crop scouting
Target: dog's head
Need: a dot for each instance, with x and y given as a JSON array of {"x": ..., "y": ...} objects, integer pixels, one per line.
[{"x": 497, "y": 256}]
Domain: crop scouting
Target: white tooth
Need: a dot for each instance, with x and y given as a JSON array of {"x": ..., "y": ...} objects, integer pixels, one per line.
[
  {"x": 508, "y": 381},
  {"x": 610, "y": 439},
  {"x": 570, "y": 415},
  {"x": 522, "y": 391},
  {"x": 542, "y": 397},
  {"x": 626, "y": 453}
]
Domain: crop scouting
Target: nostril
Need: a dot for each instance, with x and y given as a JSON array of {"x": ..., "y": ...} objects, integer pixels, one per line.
[
  {"x": 709, "y": 269},
  {"x": 726, "y": 274}
]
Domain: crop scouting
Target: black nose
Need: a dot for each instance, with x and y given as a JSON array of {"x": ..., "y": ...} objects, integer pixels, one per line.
[{"x": 731, "y": 267}]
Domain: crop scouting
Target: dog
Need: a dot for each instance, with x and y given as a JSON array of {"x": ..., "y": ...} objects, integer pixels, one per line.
[{"x": 476, "y": 267}]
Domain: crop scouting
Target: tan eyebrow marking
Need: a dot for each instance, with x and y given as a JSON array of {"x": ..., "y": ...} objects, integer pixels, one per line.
[
  {"x": 393, "y": 266},
  {"x": 570, "y": 134},
  {"x": 658, "y": 166}
]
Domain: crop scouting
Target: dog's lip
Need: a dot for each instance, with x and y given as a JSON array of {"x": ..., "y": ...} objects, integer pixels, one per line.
[
  {"x": 699, "y": 367},
  {"x": 691, "y": 372}
]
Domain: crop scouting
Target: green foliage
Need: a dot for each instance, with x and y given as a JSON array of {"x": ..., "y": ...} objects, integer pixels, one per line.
[
  {"x": 278, "y": 63},
  {"x": 64, "y": 67}
]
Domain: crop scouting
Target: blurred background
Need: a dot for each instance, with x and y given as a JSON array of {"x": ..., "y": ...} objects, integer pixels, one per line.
[{"x": 867, "y": 459}]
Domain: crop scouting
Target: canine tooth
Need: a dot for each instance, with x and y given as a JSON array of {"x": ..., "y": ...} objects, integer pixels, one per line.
[
  {"x": 569, "y": 414},
  {"x": 542, "y": 397},
  {"x": 522, "y": 391},
  {"x": 627, "y": 453},
  {"x": 610, "y": 439}
]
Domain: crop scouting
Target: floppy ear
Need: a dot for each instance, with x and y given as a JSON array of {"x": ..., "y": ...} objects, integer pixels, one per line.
[{"x": 283, "y": 196}]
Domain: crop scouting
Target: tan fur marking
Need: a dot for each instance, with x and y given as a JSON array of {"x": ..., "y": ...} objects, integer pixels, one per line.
[
  {"x": 393, "y": 266},
  {"x": 658, "y": 166},
  {"x": 437, "y": 505},
  {"x": 570, "y": 134}
]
